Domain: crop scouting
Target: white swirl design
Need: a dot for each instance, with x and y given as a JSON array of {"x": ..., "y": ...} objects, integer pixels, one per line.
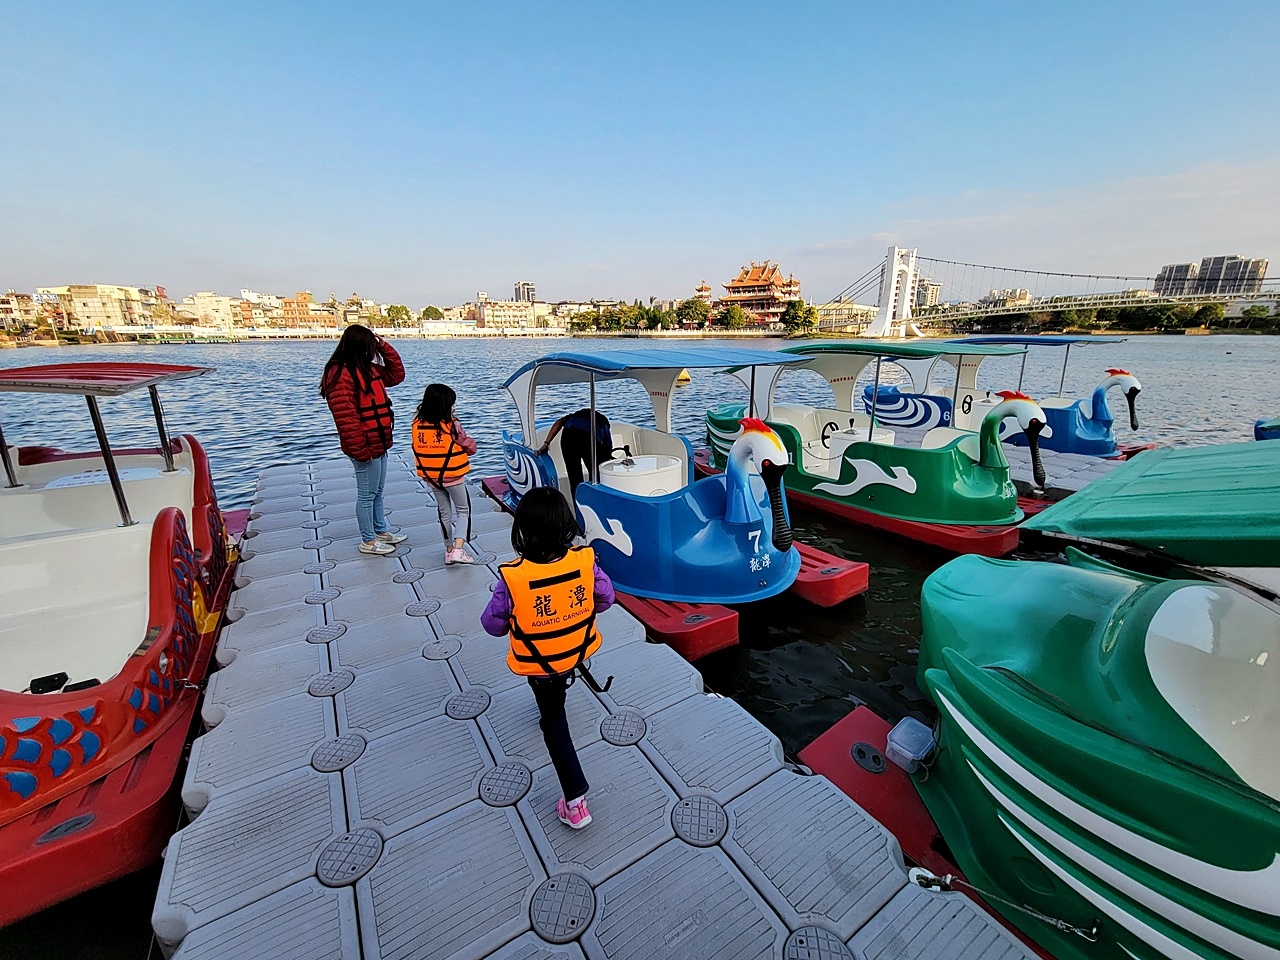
[
  {"x": 722, "y": 440},
  {"x": 522, "y": 470},
  {"x": 908, "y": 410}
]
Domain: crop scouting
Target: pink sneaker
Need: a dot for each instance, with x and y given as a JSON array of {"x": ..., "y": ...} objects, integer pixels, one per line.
[
  {"x": 575, "y": 815},
  {"x": 459, "y": 555}
]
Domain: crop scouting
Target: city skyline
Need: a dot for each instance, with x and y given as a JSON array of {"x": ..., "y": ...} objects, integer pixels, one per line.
[{"x": 619, "y": 152}]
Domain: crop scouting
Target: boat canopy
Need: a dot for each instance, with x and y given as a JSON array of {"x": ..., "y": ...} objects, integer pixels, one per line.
[
  {"x": 655, "y": 370},
  {"x": 93, "y": 379},
  {"x": 1036, "y": 340},
  {"x": 841, "y": 362},
  {"x": 1214, "y": 506}
]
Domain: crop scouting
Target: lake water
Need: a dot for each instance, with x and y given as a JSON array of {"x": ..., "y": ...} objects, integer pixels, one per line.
[{"x": 798, "y": 669}]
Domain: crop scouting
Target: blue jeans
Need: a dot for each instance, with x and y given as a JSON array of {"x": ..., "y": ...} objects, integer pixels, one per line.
[{"x": 371, "y": 477}]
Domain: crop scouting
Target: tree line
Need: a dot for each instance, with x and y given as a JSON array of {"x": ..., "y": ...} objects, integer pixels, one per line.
[{"x": 1164, "y": 317}]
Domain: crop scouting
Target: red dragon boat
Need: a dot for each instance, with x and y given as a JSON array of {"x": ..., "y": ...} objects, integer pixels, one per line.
[{"x": 115, "y": 566}]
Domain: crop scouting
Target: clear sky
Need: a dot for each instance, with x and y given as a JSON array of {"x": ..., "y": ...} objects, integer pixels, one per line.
[{"x": 420, "y": 152}]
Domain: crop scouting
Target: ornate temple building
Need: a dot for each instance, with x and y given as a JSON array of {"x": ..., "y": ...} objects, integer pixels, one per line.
[{"x": 761, "y": 291}]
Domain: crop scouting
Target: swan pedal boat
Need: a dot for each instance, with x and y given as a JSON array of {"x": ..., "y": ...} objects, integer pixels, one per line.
[
  {"x": 665, "y": 538},
  {"x": 1077, "y": 426},
  {"x": 114, "y": 570},
  {"x": 952, "y": 491}
]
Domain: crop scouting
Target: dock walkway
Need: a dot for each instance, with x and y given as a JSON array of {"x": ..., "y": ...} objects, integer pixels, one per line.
[{"x": 373, "y": 782}]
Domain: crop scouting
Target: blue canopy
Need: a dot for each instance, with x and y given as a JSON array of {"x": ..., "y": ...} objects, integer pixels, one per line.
[
  {"x": 1034, "y": 339},
  {"x": 578, "y": 367}
]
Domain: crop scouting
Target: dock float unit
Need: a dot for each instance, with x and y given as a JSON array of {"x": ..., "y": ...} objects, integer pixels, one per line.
[{"x": 373, "y": 782}]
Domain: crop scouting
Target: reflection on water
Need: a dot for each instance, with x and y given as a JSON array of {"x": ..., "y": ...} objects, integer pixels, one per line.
[{"x": 799, "y": 669}]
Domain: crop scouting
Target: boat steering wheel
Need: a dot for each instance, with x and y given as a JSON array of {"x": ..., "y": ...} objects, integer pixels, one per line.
[{"x": 828, "y": 428}]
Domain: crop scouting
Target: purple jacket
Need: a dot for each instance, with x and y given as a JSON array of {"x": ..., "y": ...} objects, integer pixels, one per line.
[{"x": 496, "y": 618}]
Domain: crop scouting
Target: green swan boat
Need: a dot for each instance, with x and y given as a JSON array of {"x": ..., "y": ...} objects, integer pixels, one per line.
[
  {"x": 1109, "y": 754},
  {"x": 952, "y": 491}
]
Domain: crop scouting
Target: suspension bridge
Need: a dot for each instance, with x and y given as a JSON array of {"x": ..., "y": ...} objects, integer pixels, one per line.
[{"x": 914, "y": 292}]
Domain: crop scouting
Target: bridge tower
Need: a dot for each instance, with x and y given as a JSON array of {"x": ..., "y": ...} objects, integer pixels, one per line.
[{"x": 897, "y": 290}]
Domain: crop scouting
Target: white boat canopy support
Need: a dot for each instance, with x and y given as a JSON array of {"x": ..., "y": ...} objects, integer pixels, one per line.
[
  {"x": 93, "y": 380},
  {"x": 654, "y": 369}
]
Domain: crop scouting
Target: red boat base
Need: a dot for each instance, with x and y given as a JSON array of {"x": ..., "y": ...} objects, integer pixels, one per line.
[
  {"x": 825, "y": 579},
  {"x": 693, "y": 630},
  {"x": 886, "y": 792}
]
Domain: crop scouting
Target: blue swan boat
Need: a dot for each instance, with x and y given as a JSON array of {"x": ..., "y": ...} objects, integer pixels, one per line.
[
  {"x": 657, "y": 531},
  {"x": 1076, "y": 425}
]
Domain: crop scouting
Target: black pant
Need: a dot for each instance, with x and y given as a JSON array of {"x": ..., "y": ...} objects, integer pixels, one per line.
[
  {"x": 575, "y": 447},
  {"x": 549, "y": 692}
]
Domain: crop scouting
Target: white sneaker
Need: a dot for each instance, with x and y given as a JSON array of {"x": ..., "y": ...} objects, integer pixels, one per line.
[
  {"x": 393, "y": 537},
  {"x": 377, "y": 548}
]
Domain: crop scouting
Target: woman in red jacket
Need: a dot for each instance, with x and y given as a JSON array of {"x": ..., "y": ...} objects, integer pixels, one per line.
[{"x": 354, "y": 383}]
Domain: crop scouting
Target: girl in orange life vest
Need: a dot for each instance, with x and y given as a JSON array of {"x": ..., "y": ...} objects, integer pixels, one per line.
[
  {"x": 440, "y": 448},
  {"x": 547, "y": 602},
  {"x": 354, "y": 384}
]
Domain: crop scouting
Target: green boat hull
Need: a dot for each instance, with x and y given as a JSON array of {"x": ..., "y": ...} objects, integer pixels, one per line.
[
  {"x": 942, "y": 485},
  {"x": 1107, "y": 754}
]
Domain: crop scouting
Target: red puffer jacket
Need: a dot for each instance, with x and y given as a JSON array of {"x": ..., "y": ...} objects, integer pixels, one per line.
[{"x": 362, "y": 412}]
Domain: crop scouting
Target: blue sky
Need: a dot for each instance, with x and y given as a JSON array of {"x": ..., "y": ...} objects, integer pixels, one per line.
[{"x": 420, "y": 152}]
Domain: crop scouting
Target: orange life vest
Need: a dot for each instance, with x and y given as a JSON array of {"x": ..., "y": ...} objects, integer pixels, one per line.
[
  {"x": 553, "y": 615},
  {"x": 441, "y": 461},
  {"x": 374, "y": 408}
]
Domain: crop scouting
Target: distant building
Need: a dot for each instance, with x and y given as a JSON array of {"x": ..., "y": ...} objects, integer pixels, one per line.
[
  {"x": 92, "y": 305},
  {"x": 1230, "y": 276},
  {"x": 301, "y": 310},
  {"x": 1015, "y": 297},
  {"x": 703, "y": 292},
  {"x": 18, "y": 310},
  {"x": 503, "y": 314},
  {"x": 208, "y": 309},
  {"x": 1176, "y": 279},
  {"x": 842, "y": 314},
  {"x": 761, "y": 291},
  {"x": 525, "y": 292},
  {"x": 928, "y": 292}
]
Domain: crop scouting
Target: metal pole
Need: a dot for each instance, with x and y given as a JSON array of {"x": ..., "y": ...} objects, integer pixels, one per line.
[
  {"x": 875, "y": 400},
  {"x": 595, "y": 466},
  {"x": 8, "y": 464},
  {"x": 1021, "y": 370},
  {"x": 1065, "y": 357},
  {"x": 751, "y": 404},
  {"x": 116, "y": 487},
  {"x": 955, "y": 396},
  {"x": 166, "y": 449}
]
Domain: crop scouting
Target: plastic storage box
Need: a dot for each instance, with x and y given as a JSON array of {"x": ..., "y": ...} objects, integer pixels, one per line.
[{"x": 910, "y": 742}]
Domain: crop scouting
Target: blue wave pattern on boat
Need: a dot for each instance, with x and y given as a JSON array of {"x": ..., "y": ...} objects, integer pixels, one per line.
[{"x": 893, "y": 408}]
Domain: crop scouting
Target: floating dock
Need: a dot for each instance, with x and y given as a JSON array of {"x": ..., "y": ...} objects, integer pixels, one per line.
[{"x": 373, "y": 782}]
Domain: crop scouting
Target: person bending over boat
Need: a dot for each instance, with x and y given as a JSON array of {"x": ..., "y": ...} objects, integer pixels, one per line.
[
  {"x": 547, "y": 601},
  {"x": 354, "y": 384},
  {"x": 441, "y": 449},
  {"x": 575, "y": 443}
]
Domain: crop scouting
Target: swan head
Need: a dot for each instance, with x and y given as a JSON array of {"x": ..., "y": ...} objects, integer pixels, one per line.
[
  {"x": 1127, "y": 382},
  {"x": 760, "y": 445},
  {"x": 1031, "y": 418}
]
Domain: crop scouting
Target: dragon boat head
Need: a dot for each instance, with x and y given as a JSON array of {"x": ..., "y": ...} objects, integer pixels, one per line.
[
  {"x": 1030, "y": 417},
  {"x": 759, "y": 445},
  {"x": 1127, "y": 382}
]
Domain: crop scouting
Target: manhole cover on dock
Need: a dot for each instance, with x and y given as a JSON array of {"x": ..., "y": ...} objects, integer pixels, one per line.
[
  {"x": 422, "y": 608},
  {"x": 314, "y": 524},
  {"x": 699, "y": 821},
  {"x": 408, "y": 576},
  {"x": 504, "y": 785},
  {"x": 320, "y": 566},
  {"x": 323, "y": 596},
  {"x": 468, "y": 705},
  {"x": 316, "y": 544},
  {"x": 562, "y": 907},
  {"x": 441, "y": 649},
  {"x": 326, "y": 634},
  {"x": 815, "y": 943},
  {"x": 349, "y": 857},
  {"x": 331, "y": 684},
  {"x": 623, "y": 729},
  {"x": 333, "y": 755}
]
